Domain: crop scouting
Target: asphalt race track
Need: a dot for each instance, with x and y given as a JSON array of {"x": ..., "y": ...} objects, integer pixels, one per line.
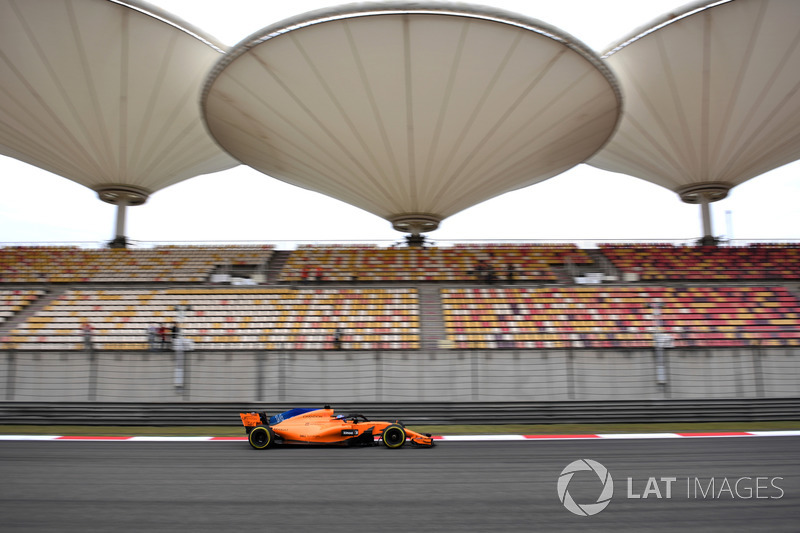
[{"x": 456, "y": 486}]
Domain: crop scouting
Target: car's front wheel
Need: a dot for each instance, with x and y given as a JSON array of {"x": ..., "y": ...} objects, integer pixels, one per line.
[
  {"x": 261, "y": 437},
  {"x": 394, "y": 436}
]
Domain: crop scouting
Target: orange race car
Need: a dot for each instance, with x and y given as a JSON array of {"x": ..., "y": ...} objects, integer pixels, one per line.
[{"x": 322, "y": 427}]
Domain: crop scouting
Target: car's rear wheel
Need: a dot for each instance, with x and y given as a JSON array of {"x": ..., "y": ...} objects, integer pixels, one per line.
[
  {"x": 394, "y": 436},
  {"x": 261, "y": 437}
]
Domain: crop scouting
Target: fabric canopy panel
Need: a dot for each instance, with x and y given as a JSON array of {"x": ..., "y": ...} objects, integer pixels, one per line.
[
  {"x": 105, "y": 94},
  {"x": 412, "y": 113},
  {"x": 711, "y": 97}
]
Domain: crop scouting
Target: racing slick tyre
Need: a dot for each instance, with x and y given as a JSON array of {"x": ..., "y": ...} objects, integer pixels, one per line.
[
  {"x": 260, "y": 437},
  {"x": 394, "y": 436}
]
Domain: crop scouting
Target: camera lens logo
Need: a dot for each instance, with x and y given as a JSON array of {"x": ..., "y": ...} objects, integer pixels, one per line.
[{"x": 587, "y": 509}]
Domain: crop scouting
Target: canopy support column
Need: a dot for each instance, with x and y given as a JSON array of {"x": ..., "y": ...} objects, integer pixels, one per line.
[
  {"x": 122, "y": 209},
  {"x": 704, "y": 194},
  {"x": 415, "y": 224},
  {"x": 122, "y": 196},
  {"x": 705, "y": 214}
]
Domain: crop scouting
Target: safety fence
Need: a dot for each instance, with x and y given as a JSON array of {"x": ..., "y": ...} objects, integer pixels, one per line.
[
  {"x": 227, "y": 414},
  {"x": 346, "y": 376}
]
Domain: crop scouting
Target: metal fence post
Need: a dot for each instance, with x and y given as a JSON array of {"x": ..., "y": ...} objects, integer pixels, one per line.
[
  {"x": 659, "y": 341},
  {"x": 378, "y": 377},
  {"x": 475, "y": 376},
  {"x": 11, "y": 375},
  {"x": 570, "y": 374},
  {"x": 282, "y": 377},
  {"x": 758, "y": 372},
  {"x": 259, "y": 377},
  {"x": 92, "y": 392}
]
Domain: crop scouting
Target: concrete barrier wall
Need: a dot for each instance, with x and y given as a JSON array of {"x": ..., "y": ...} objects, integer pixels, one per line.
[
  {"x": 715, "y": 374},
  {"x": 413, "y": 376},
  {"x": 777, "y": 370}
]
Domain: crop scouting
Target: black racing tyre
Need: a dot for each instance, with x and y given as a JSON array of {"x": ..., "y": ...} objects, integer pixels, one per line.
[
  {"x": 394, "y": 436},
  {"x": 261, "y": 437}
]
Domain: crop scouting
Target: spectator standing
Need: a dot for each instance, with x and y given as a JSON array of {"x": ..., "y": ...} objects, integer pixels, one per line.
[
  {"x": 163, "y": 335},
  {"x": 152, "y": 336},
  {"x": 337, "y": 339},
  {"x": 175, "y": 332},
  {"x": 87, "y": 335},
  {"x": 490, "y": 274},
  {"x": 480, "y": 270}
]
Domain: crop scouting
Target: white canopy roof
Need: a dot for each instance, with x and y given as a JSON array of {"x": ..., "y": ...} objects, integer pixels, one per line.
[
  {"x": 408, "y": 111},
  {"x": 712, "y": 97},
  {"x": 105, "y": 93}
]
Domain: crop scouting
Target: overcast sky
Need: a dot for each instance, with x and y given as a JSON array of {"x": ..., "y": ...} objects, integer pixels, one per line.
[{"x": 242, "y": 204}]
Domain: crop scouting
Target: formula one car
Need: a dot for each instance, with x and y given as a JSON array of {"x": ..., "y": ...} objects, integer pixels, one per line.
[{"x": 323, "y": 427}]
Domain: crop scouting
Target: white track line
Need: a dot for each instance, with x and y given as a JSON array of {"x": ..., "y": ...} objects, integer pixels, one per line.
[{"x": 639, "y": 436}]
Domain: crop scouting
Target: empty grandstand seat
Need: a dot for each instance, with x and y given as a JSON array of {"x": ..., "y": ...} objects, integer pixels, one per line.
[
  {"x": 706, "y": 263},
  {"x": 14, "y": 301},
  {"x": 626, "y": 317},
  {"x": 457, "y": 263},
  {"x": 169, "y": 264},
  {"x": 234, "y": 318}
]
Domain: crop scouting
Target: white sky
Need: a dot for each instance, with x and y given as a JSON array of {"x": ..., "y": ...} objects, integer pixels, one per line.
[{"x": 242, "y": 204}]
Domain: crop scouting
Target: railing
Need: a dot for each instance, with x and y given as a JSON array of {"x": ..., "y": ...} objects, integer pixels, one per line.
[{"x": 572, "y": 337}]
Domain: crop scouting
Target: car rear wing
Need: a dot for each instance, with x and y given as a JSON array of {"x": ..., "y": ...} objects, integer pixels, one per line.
[{"x": 251, "y": 420}]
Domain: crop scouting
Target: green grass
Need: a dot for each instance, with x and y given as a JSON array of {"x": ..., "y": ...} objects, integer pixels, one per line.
[{"x": 524, "y": 429}]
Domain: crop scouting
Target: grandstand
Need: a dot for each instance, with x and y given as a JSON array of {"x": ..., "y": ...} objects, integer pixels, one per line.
[
  {"x": 257, "y": 323},
  {"x": 707, "y": 263},
  {"x": 621, "y": 317},
  {"x": 220, "y": 319},
  {"x": 530, "y": 263},
  {"x": 294, "y": 300},
  {"x": 47, "y": 264}
]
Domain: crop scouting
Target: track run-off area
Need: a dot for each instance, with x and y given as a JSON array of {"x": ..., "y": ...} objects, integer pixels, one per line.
[{"x": 659, "y": 482}]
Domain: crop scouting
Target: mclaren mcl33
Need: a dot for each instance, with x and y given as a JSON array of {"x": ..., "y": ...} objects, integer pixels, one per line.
[{"x": 323, "y": 427}]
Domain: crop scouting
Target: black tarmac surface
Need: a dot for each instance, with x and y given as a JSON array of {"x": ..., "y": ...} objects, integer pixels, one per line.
[{"x": 456, "y": 486}]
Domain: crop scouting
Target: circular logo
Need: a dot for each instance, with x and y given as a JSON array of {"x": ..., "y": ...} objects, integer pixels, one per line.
[{"x": 587, "y": 509}]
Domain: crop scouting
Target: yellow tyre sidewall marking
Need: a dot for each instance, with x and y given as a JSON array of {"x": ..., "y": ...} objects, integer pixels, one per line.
[
  {"x": 402, "y": 441},
  {"x": 269, "y": 438}
]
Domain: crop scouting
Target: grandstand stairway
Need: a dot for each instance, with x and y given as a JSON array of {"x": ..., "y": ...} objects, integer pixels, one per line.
[
  {"x": 562, "y": 275},
  {"x": 275, "y": 265},
  {"x": 42, "y": 302},
  {"x": 600, "y": 264},
  {"x": 431, "y": 323}
]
